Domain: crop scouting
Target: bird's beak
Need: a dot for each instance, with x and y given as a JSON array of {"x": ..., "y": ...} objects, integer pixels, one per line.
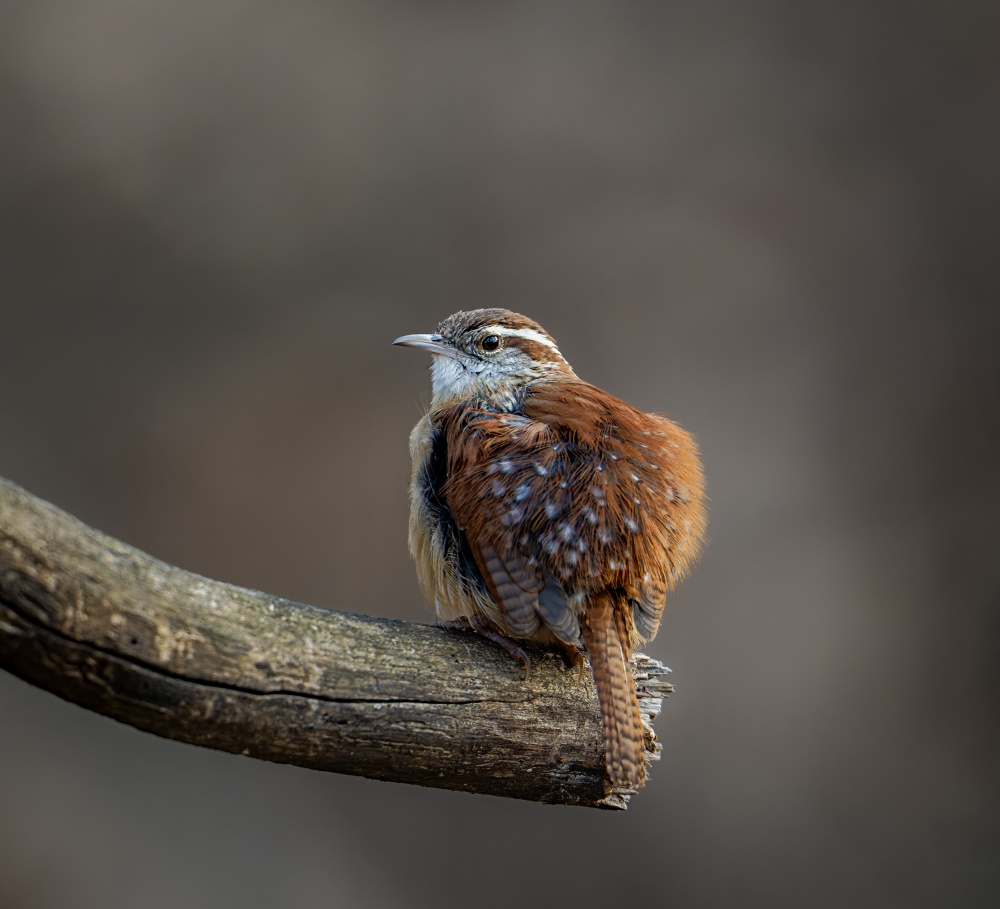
[{"x": 436, "y": 344}]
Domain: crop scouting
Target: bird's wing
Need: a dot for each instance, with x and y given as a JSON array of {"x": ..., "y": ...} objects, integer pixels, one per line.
[
  {"x": 577, "y": 490},
  {"x": 514, "y": 586},
  {"x": 653, "y": 489},
  {"x": 499, "y": 474}
]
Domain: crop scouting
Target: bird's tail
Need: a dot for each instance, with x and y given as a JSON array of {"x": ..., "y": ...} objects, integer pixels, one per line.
[{"x": 609, "y": 649}]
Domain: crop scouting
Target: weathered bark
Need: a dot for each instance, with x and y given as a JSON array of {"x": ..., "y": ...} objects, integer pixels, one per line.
[{"x": 110, "y": 628}]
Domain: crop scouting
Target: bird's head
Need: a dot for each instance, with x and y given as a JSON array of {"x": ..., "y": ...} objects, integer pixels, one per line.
[{"x": 490, "y": 354}]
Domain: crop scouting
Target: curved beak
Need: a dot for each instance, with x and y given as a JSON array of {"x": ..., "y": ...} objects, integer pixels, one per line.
[{"x": 436, "y": 344}]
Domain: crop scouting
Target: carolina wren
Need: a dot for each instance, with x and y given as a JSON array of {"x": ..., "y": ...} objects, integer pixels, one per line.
[{"x": 544, "y": 509}]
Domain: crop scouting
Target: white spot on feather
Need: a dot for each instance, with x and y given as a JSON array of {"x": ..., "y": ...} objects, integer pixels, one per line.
[{"x": 540, "y": 469}]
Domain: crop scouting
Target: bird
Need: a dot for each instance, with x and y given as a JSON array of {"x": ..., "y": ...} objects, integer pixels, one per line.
[{"x": 545, "y": 509}]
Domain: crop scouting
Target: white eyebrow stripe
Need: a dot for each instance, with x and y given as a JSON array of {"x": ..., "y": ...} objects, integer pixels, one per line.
[{"x": 529, "y": 334}]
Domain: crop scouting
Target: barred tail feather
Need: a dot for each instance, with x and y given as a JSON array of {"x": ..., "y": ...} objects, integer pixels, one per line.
[{"x": 624, "y": 745}]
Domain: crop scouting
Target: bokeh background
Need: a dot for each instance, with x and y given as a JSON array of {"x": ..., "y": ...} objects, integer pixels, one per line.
[{"x": 777, "y": 222}]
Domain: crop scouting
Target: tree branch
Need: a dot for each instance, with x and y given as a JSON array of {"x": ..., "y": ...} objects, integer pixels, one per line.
[{"x": 110, "y": 628}]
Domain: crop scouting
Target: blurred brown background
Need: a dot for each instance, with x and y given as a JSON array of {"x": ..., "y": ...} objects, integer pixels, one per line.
[{"x": 775, "y": 221}]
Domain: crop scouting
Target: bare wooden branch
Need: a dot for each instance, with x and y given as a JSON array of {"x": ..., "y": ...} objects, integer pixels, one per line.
[{"x": 110, "y": 628}]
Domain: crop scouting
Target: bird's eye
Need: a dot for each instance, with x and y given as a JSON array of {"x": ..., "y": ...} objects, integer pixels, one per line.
[{"x": 490, "y": 342}]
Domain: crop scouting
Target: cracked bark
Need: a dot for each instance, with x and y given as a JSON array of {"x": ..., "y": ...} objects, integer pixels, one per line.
[{"x": 112, "y": 629}]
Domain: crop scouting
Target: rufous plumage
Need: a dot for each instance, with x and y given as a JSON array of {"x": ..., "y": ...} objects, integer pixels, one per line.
[{"x": 543, "y": 508}]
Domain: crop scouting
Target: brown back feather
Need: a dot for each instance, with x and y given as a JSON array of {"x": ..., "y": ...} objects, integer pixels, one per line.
[{"x": 587, "y": 489}]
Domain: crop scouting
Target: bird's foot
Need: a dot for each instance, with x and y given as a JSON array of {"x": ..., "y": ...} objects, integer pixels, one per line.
[
  {"x": 574, "y": 657},
  {"x": 488, "y": 631}
]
